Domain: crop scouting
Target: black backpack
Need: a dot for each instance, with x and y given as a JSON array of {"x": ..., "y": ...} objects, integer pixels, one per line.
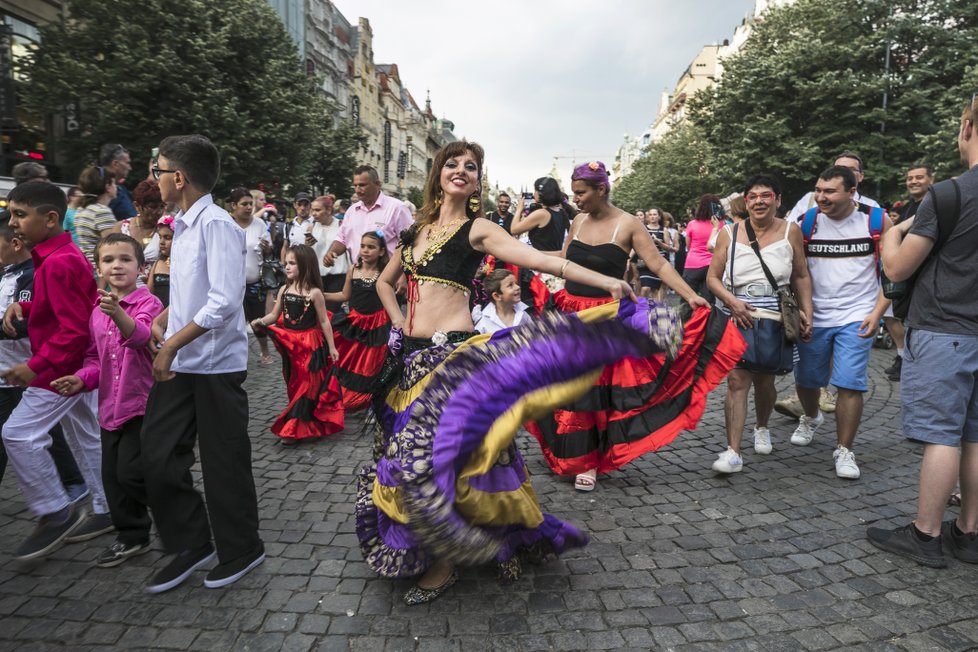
[{"x": 946, "y": 198}]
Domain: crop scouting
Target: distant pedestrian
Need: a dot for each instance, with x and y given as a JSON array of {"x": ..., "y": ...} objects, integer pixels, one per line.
[
  {"x": 320, "y": 234},
  {"x": 158, "y": 282},
  {"x": 701, "y": 233},
  {"x": 93, "y": 218},
  {"x": 114, "y": 160},
  {"x": 257, "y": 246}
]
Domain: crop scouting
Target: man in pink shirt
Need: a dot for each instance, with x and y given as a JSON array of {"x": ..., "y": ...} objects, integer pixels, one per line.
[
  {"x": 374, "y": 212},
  {"x": 57, "y": 325}
]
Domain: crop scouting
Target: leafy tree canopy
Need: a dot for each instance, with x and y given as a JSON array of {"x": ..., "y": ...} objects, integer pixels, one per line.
[
  {"x": 144, "y": 69},
  {"x": 809, "y": 84}
]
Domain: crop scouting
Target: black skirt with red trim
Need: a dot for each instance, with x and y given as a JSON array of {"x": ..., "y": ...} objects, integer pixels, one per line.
[
  {"x": 361, "y": 341},
  {"x": 315, "y": 406},
  {"x": 639, "y": 405}
]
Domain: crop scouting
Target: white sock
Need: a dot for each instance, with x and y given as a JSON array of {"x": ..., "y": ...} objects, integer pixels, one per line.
[{"x": 899, "y": 352}]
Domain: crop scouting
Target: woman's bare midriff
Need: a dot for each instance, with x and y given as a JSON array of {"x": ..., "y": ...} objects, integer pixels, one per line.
[{"x": 439, "y": 308}]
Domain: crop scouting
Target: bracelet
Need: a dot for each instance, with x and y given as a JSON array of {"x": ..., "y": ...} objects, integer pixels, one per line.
[{"x": 562, "y": 268}]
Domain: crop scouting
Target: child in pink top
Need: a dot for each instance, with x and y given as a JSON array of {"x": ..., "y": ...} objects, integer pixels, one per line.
[{"x": 119, "y": 364}]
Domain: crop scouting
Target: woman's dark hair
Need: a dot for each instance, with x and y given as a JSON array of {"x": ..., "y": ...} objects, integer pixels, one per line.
[
  {"x": 710, "y": 206},
  {"x": 382, "y": 242},
  {"x": 114, "y": 238},
  {"x": 763, "y": 179},
  {"x": 147, "y": 192},
  {"x": 94, "y": 181},
  {"x": 429, "y": 212},
  {"x": 305, "y": 259},
  {"x": 238, "y": 194},
  {"x": 549, "y": 190},
  {"x": 494, "y": 281}
]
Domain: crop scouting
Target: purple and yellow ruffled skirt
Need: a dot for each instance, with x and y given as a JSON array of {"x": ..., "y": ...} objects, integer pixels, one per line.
[{"x": 450, "y": 483}]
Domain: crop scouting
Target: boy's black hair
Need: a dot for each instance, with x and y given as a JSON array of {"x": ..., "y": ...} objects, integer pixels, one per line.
[
  {"x": 114, "y": 238},
  {"x": 195, "y": 156},
  {"x": 6, "y": 233},
  {"x": 848, "y": 176},
  {"x": 42, "y": 196}
]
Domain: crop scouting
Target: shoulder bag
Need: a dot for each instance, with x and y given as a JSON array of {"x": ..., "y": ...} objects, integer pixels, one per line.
[{"x": 787, "y": 301}]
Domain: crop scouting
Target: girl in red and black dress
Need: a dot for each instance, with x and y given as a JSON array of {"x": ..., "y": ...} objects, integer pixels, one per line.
[
  {"x": 637, "y": 404},
  {"x": 361, "y": 335},
  {"x": 303, "y": 336}
]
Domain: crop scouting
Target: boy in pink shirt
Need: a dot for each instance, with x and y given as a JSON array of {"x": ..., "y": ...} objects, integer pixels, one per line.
[
  {"x": 119, "y": 364},
  {"x": 57, "y": 326}
]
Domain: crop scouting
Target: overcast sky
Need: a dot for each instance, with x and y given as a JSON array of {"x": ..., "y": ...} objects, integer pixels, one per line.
[{"x": 534, "y": 79}]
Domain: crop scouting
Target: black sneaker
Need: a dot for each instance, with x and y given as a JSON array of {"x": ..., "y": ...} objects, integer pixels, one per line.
[
  {"x": 893, "y": 372},
  {"x": 225, "y": 574},
  {"x": 49, "y": 534},
  {"x": 903, "y": 541},
  {"x": 94, "y": 525},
  {"x": 180, "y": 568},
  {"x": 118, "y": 552},
  {"x": 963, "y": 546}
]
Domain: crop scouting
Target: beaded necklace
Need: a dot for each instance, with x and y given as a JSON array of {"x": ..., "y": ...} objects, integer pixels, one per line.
[{"x": 307, "y": 301}]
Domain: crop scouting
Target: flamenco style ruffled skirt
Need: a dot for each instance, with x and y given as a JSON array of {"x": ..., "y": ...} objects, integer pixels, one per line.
[
  {"x": 449, "y": 483},
  {"x": 361, "y": 341},
  {"x": 639, "y": 404},
  {"x": 315, "y": 406}
]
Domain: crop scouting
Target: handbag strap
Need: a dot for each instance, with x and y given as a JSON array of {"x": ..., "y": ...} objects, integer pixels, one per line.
[
  {"x": 733, "y": 247},
  {"x": 757, "y": 250}
]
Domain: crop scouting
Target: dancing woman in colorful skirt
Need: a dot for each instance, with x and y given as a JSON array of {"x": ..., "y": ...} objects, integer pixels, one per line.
[
  {"x": 449, "y": 486},
  {"x": 639, "y": 404}
]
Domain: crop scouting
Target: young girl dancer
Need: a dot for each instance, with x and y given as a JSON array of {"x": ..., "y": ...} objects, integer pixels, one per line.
[
  {"x": 506, "y": 308},
  {"x": 361, "y": 336},
  {"x": 119, "y": 364},
  {"x": 303, "y": 336},
  {"x": 158, "y": 281}
]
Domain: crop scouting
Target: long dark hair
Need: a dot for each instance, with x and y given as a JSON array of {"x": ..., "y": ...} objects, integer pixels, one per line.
[
  {"x": 710, "y": 206},
  {"x": 384, "y": 257},
  {"x": 305, "y": 260}
]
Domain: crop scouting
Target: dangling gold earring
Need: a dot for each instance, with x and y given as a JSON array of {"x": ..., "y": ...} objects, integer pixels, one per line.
[
  {"x": 475, "y": 201},
  {"x": 437, "y": 200}
]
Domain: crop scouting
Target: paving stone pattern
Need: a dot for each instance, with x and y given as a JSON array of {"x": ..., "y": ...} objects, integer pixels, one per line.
[{"x": 773, "y": 558}]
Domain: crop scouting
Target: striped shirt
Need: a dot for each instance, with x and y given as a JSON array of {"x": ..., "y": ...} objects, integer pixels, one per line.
[{"x": 89, "y": 223}]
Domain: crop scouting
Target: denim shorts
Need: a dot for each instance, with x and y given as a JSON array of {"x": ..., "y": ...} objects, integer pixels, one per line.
[
  {"x": 939, "y": 387},
  {"x": 836, "y": 355}
]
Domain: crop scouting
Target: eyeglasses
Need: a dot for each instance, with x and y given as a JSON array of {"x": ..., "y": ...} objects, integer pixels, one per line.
[
  {"x": 158, "y": 172},
  {"x": 756, "y": 196}
]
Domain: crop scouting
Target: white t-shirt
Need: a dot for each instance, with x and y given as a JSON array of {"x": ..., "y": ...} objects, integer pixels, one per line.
[
  {"x": 297, "y": 231},
  {"x": 842, "y": 264},
  {"x": 325, "y": 235},
  {"x": 255, "y": 232}
]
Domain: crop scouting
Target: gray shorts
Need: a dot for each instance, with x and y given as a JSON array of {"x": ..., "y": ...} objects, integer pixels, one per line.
[{"x": 939, "y": 387}]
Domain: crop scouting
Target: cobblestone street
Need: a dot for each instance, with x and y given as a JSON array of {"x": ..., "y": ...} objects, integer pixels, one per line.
[{"x": 773, "y": 558}]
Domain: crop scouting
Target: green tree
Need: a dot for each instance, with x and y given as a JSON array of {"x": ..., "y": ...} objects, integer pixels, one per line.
[
  {"x": 334, "y": 159},
  {"x": 672, "y": 174},
  {"x": 416, "y": 196},
  {"x": 809, "y": 84},
  {"x": 140, "y": 70}
]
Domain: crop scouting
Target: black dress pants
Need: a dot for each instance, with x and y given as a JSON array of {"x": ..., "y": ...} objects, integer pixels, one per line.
[
  {"x": 124, "y": 481},
  {"x": 211, "y": 409}
]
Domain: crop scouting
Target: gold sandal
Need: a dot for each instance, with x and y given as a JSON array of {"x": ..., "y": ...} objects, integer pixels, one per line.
[{"x": 420, "y": 595}]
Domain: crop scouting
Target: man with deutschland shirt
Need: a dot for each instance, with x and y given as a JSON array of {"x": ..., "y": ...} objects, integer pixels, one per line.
[{"x": 848, "y": 305}]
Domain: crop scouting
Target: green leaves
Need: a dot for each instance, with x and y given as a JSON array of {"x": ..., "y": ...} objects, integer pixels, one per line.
[
  {"x": 809, "y": 84},
  {"x": 144, "y": 69}
]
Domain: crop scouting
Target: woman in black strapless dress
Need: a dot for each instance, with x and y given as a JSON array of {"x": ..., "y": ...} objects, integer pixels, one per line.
[{"x": 636, "y": 405}]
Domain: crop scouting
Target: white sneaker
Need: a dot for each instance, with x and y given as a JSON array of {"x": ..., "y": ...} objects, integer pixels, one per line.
[
  {"x": 728, "y": 462},
  {"x": 806, "y": 429},
  {"x": 845, "y": 463},
  {"x": 762, "y": 441}
]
